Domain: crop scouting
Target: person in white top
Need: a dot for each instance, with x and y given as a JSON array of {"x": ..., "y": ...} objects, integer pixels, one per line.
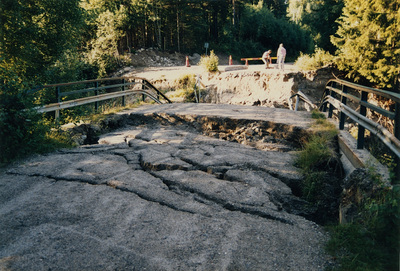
[
  {"x": 281, "y": 56},
  {"x": 266, "y": 58}
]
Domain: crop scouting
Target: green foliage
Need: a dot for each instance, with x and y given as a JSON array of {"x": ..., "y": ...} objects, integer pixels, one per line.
[
  {"x": 319, "y": 164},
  {"x": 317, "y": 153},
  {"x": 22, "y": 130},
  {"x": 210, "y": 63},
  {"x": 316, "y": 61},
  {"x": 271, "y": 31},
  {"x": 35, "y": 34},
  {"x": 103, "y": 49},
  {"x": 185, "y": 81},
  {"x": 185, "y": 88},
  {"x": 368, "y": 41},
  {"x": 71, "y": 67},
  {"x": 316, "y": 114},
  {"x": 323, "y": 126},
  {"x": 317, "y": 16},
  {"x": 372, "y": 241}
]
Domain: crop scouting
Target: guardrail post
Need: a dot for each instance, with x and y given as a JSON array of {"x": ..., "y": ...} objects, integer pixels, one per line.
[
  {"x": 330, "y": 111},
  {"x": 143, "y": 88},
  {"x": 361, "y": 129},
  {"x": 58, "y": 97},
  {"x": 343, "y": 115},
  {"x": 296, "y": 107},
  {"x": 397, "y": 135},
  {"x": 123, "y": 89},
  {"x": 96, "y": 92},
  {"x": 325, "y": 106}
]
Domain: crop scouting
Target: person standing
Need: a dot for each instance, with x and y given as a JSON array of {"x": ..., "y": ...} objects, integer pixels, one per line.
[
  {"x": 281, "y": 56},
  {"x": 266, "y": 58}
]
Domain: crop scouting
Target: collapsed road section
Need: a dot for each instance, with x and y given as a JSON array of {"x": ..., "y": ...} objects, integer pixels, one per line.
[{"x": 158, "y": 194}]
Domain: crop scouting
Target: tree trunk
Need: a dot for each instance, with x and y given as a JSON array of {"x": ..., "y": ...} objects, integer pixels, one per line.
[{"x": 178, "y": 29}]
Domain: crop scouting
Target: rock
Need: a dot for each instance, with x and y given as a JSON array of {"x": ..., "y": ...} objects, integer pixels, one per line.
[
  {"x": 236, "y": 68},
  {"x": 357, "y": 188}
]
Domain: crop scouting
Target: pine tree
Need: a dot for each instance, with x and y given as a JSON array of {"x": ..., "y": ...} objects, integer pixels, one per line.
[
  {"x": 368, "y": 41},
  {"x": 104, "y": 48}
]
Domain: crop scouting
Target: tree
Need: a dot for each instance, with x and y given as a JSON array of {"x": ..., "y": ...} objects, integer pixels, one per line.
[
  {"x": 368, "y": 41},
  {"x": 36, "y": 33},
  {"x": 35, "y": 36},
  {"x": 272, "y": 31},
  {"x": 104, "y": 47},
  {"x": 319, "y": 17}
]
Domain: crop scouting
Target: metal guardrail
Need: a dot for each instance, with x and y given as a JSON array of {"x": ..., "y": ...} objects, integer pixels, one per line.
[
  {"x": 337, "y": 95},
  {"x": 114, "y": 88},
  {"x": 197, "y": 86},
  {"x": 300, "y": 96}
]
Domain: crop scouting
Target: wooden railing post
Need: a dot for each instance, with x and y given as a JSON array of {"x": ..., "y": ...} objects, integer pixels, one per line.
[
  {"x": 343, "y": 115},
  {"x": 143, "y": 88},
  {"x": 123, "y": 89},
  {"x": 96, "y": 92},
  {"x": 397, "y": 135},
  {"x": 330, "y": 112},
  {"x": 361, "y": 129},
  {"x": 58, "y": 97}
]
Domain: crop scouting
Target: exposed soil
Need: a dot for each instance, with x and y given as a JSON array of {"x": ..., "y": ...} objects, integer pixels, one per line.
[{"x": 237, "y": 84}]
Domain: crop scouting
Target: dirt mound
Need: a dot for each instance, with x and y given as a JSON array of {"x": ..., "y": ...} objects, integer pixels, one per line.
[{"x": 155, "y": 58}]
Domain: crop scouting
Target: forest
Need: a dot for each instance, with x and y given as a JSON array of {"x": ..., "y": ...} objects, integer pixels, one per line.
[{"x": 52, "y": 41}]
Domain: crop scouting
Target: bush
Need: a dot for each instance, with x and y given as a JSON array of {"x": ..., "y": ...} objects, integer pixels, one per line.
[
  {"x": 22, "y": 130},
  {"x": 185, "y": 89},
  {"x": 371, "y": 242},
  {"x": 185, "y": 81},
  {"x": 318, "y": 60},
  {"x": 210, "y": 63}
]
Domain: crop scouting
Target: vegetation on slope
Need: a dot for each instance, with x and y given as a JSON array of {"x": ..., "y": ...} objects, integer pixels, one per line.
[{"x": 370, "y": 241}]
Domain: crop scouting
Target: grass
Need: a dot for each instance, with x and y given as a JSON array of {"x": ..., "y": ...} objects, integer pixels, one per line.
[
  {"x": 371, "y": 242},
  {"x": 320, "y": 166},
  {"x": 319, "y": 147}
]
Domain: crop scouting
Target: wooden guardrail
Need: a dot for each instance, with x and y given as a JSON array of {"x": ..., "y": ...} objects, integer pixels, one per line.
[
  {"x": 337, "y": 95},
  {"x": 98, "y": 90}
]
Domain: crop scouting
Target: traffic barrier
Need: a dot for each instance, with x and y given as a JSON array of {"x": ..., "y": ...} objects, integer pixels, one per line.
[{"x": 187, "y": 62}]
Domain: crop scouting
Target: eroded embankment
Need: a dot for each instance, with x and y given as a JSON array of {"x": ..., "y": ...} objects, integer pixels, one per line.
[
  {"x": 267, "y": 88},
  {"x": 262, "y": 134},
  {"x": 256, "y": 86}
]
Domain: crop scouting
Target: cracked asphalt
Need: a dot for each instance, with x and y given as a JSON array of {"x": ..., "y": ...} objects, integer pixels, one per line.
[{"x": 156, "y": 197}]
